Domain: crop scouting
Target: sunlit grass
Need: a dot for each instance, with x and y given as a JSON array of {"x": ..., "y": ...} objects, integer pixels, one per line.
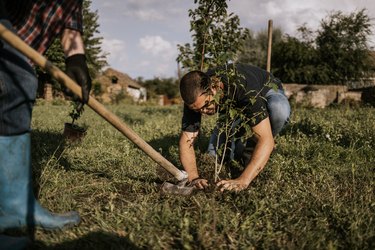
[{"x": 317, "y": 191}]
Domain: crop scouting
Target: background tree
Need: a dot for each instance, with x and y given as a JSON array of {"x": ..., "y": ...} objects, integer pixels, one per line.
[
  {"x": 342, "y": 45},
  {"x": 254, "y": 48},
  {"x": 216, "y": 36},
  {"x": 160, "y": 86},
  {"x": 296, "y": 60},
  {"x": 96, "y": 58},
  {"x": 56, "y": 55},
  {"x": 337, "y": 53}
]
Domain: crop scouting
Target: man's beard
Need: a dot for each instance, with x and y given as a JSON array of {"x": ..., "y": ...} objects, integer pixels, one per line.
[{"x": 211, "y": 111}]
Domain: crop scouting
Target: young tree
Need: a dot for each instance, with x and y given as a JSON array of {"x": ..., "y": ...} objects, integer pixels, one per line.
[{"x": 216, "y": 36}]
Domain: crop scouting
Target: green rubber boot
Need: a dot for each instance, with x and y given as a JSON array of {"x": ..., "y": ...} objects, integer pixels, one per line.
[{"x": 18, "y": 206}]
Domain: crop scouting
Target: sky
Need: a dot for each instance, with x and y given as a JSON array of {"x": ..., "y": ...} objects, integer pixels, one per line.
[{"x": 141, "y": 36}]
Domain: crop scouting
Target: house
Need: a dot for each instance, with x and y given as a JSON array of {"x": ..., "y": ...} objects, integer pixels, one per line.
[{"x": 115, "y": 85}]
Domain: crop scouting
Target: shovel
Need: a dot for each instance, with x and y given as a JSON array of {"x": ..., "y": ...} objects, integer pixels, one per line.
[{"x": 58, "y": 74}]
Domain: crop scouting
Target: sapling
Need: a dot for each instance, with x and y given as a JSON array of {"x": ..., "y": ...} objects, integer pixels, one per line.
[
  {"x": 75, "y": 114},
  {"x": 217, "y": 36}
]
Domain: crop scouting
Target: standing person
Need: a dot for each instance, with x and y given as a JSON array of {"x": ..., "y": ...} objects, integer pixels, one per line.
[
  {"x": 267, "y": 112},
  {"x": 38, "y": 23}
]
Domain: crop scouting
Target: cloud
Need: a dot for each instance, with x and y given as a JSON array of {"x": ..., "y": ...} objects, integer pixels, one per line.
[
  {"x": 156, "y": 46},
  {"x": 116, "y": 49},
  {"x": 161, "y": 55},
  {"x": 145, "y": 15},
  {"x": 290, "y": 14},
  {"x": 152, "y": 10},
  {"x": 151, "y": 27}
]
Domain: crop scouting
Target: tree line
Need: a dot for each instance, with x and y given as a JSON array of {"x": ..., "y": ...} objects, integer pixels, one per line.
[{"x": 338, "y": 52}]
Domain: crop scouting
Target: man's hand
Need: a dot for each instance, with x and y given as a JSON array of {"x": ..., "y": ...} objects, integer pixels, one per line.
[
  {"x": 233, "y": 185},
  {"x": 76, "y": 68},
  {"x": 199, "y": 183}
]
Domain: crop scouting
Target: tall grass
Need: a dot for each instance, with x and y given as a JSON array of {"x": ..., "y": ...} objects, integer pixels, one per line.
[{"x": 316, "y": 192}]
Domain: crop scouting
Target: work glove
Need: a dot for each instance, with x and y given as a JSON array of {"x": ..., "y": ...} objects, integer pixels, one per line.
[{"x": 76, "y": 68}]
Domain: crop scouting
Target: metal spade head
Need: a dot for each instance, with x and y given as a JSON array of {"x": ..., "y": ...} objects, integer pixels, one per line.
[{"x": 177, "y": 189}]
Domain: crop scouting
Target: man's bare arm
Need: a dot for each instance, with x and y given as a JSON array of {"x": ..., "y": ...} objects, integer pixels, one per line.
[
  {"x": 72, "y": 42},
  {"x": 188, "y": 159},
  {"x": 187, "y": 154},
  {"x": 259, "y": 158},
  {"x": 262, "y": 151}
]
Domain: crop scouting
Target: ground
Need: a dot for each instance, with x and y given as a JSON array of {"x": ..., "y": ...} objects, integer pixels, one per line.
[{"x": 317, "y": 191}]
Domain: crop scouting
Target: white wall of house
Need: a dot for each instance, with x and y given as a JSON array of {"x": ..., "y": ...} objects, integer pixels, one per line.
[{"x": 138, "y": 94}]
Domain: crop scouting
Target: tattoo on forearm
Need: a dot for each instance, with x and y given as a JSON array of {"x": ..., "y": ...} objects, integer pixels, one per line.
[{"x": 191, "y": 140}]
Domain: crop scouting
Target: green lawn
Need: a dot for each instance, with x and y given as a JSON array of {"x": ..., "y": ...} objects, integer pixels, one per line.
[{"x": 316, "y": 192}]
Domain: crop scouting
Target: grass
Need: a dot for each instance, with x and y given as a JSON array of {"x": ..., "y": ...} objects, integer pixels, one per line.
[{"x": 316, "y": 192}]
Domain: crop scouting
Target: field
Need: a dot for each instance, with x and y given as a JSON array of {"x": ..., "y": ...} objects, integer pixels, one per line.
[{"x": 316, "y": 192}]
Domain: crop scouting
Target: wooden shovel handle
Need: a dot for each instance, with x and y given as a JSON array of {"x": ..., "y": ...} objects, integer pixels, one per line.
[
  {"x": 42, "y": 62},
  {"x": 269, "y": 48}
]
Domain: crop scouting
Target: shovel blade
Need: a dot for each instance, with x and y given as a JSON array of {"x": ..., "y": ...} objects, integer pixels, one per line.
[{"x": 176, "y": 189}]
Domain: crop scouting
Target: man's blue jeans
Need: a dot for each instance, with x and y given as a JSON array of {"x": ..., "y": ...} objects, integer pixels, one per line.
[
  {"x": 278, "y": 108},
  {"x": 18, "y": 87}
]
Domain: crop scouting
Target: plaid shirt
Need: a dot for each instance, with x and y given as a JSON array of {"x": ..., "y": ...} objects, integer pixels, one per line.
[{"x": 46, "y": 20}]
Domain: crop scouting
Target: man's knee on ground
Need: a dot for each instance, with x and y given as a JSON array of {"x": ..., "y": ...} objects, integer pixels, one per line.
[{"x": 279, "y": 113}]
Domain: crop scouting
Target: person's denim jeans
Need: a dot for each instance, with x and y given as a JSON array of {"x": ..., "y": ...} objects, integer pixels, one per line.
[
  {"x": 278, "y": 108},
  {"x": 18, "y": 87}
]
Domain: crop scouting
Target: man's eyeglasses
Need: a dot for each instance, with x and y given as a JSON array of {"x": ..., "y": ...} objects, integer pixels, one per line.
[{"x": 209, "y": 101}]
